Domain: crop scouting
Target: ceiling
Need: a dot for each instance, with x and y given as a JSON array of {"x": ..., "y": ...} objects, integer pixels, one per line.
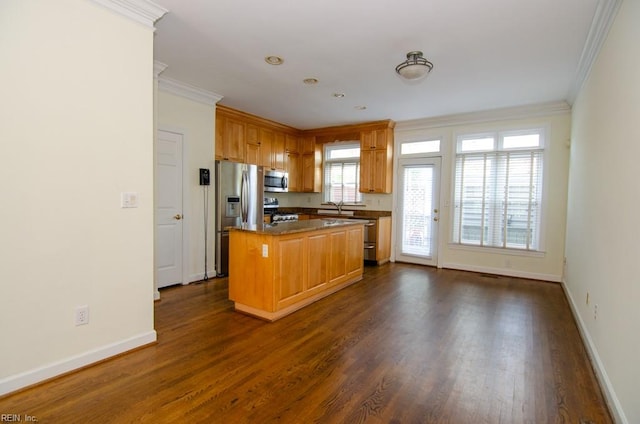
[{"x": 487, "y": 54}]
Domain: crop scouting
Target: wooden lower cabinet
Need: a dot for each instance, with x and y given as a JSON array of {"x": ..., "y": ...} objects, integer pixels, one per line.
[{"x": 298, "y": 268}]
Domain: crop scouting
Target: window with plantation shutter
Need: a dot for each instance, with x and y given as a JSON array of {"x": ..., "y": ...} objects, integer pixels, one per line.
[
  {"x": 498, "y": 190},
  {"x": 342, "y": 172}
]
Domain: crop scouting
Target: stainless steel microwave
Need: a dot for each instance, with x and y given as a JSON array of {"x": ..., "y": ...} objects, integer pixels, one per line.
[{"x": 276, "y": 181}]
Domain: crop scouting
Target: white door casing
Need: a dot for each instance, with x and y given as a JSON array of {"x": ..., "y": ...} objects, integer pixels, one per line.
[
  {"x": 418, "y": 211},
  {"x": 169, "y": 220}
]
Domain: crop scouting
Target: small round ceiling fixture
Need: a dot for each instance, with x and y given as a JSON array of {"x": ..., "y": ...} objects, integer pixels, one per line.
[
  {"x": 415, "y": 67},
  {"x": 360, "y": 107},
  {"x": 338, "y": 95},
  {"x": 274, "y": 60},
  {"x": 310, "y": 81}
]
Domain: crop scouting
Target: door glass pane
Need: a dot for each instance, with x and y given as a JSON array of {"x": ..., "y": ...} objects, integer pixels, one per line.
[{"x": 417, "y": 210}]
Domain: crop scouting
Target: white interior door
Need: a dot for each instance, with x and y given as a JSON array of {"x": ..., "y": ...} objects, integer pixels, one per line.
[
  {"x": 168, "y": 209},
  {"x": 418, "y": 203}
]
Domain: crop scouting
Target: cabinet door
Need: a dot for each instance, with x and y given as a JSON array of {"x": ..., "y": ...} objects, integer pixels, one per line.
[
  {"x": 289, "y": 281},
  {"x": 295, "y": 171},
  {"x": 308, "y": 144},
  {"x": 375, "y": 171},
  {"x": 374, "y": 139},
  {"x": 252, "y": 154},
  {"x": 318, "y": 271},
  {"x": 233, "y": 140},
  {"x": 266, "y": 148},
  {"x": 311, "y": 172},
  {"x": 366, "y": 171},
  {"x": 292, "y": 144},
  {"x": 220, "y": 121},
  {"x": 277, "y": 153}
]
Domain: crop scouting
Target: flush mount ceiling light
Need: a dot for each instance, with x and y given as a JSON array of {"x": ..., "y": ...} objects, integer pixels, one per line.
[
  {"x": 310, "y": 81},
  {"x": 415, "y": 67},
  {"x": 274, "y": 60},
  {"x": 338, "y": 95}
]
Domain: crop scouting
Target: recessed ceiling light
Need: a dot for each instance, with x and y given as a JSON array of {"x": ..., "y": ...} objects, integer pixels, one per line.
[
  {"x": 360, "y": 107},
  {"x": 274, "y": 60},
  {"x": 310, "y": 81},
  {"x": 338, "y": 95}
]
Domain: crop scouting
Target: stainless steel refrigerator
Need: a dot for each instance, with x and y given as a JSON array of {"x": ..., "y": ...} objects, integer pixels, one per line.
[{"x": 239, "y": 201}]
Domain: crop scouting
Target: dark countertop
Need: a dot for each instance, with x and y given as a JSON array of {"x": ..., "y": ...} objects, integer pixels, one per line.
[
  {"x": 357, "y": 213},
  {"x": 292, "y": 227}
]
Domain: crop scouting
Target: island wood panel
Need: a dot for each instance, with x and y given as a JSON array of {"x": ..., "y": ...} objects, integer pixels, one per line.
[
  {"x": 337, "y": 256},
  {"x": 383, "y": 241},
  {"x": 290, "y": 253},
  {"x": 255, "y": 286},
  {"x": 318, "y": 268},
  {"x": 354, "y": 264}
]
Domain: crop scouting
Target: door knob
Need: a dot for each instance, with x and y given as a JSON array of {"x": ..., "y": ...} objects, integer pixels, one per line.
[
  {"x": 178, "y": 217},
  {"x": 435, "y": 218}
]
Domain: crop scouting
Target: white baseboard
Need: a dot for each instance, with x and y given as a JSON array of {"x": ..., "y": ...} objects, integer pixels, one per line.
[
  {"x": 503, "y": 271},
  {"x": 609, "y": 393},
  {"x": 37, "y": 375}
]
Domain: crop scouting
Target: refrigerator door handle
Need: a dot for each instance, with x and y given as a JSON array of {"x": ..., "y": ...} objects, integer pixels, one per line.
[{"x": 244, "y": 197}]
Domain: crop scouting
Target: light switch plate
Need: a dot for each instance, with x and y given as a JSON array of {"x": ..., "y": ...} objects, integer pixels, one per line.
[
  {"x": 265, "y": 250},
  {"x": 129, "y": 199}
]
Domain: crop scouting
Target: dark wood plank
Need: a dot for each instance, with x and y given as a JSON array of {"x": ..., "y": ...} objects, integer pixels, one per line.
[{"x": 408, "y": 344}]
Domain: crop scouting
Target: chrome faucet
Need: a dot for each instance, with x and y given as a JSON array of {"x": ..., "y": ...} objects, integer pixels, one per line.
[{"x": 338, "y": 206}]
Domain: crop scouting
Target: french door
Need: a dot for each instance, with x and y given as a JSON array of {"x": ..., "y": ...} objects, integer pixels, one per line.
[{"x": 419, "y": 211}]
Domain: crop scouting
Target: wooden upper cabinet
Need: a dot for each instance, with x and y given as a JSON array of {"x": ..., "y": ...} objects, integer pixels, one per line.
[
  {"x": 294, "y": 168},
  {"x": 266, "y": 147},
  {"x": 278, "y": 152},
  {"x": 311, "y": 172},
  {"x": 308, "y": 144},
  {"x": 292, "y": 143},
  {"x": 375, "y": 139},
  {"x": 230, "y": 139},
  {"x": 376, "y": 161}
]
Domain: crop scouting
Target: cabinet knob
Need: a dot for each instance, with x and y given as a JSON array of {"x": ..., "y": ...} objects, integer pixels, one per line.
[{"x": 178, "y": 217}]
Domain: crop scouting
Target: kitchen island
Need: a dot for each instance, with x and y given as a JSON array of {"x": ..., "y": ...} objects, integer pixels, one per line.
[{"x": 276, "y": 269}]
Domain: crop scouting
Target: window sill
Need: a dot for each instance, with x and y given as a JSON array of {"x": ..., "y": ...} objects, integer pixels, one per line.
[{"x": 498, "y": 250}]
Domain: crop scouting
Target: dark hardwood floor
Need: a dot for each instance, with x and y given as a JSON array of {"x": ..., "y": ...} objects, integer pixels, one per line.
[{"x": 408, "y": 344}]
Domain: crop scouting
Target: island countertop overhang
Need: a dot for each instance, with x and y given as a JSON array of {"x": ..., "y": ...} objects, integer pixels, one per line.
[{"x": 293, "y": 227}]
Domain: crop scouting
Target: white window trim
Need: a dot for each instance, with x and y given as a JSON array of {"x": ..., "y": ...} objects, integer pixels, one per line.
[
  {"x": 545, "y": 132},
  {"x": 339, "y": 144}
]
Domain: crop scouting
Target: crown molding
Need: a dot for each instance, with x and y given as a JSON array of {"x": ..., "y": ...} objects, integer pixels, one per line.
[
  {"x": 518, "y": 112},
  {"x": 142, "y": 11},
  {"x": 606, "y": 11},
  {"x": 158, "y": 68},
  {"x": 188, "y": 91}
]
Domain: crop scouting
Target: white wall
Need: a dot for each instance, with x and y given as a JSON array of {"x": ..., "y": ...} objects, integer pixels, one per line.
[
  {"x": 196, "y": 121},
  {"x": 76, "y": 131},
  {"x": 546, "y": 266},
  {"x": 602, "y": 222}
]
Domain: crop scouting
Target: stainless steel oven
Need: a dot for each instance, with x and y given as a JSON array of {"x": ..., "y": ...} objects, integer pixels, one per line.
[{"x": 276, "y": 181}]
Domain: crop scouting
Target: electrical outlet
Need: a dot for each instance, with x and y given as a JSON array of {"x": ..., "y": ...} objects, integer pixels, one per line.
[
  {"x": 595, "y": 311},
  {"x": 265, "y": 250},
  {"x": 82, "y": 315}
]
